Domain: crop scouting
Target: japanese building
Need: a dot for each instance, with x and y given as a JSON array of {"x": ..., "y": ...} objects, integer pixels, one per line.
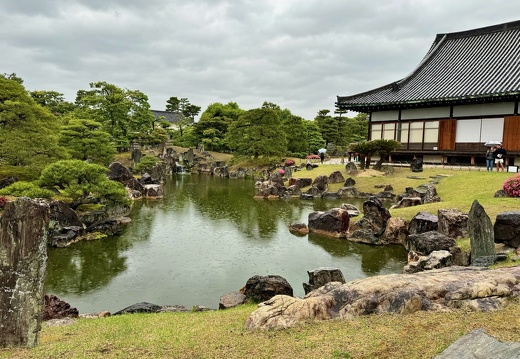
[{"x": 463, "y": 93}]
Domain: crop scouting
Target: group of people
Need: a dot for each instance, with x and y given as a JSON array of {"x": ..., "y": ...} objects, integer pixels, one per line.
[{"x": 495, "y": 156}]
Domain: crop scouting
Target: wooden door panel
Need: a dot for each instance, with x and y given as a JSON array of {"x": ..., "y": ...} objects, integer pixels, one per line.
[{"x": 447, "y": 130}]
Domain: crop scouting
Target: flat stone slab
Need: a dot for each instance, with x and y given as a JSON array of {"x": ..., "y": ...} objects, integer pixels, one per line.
[{"x": 477, "y": 344}]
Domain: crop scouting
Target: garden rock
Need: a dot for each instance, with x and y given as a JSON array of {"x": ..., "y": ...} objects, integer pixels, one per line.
[
  {"x": 351, "y": 168},
  {"x": 436, "y": 259},
  {"x": 336, "y": 177},
  {"x": 408, "y": 202},
  {"x": 453, "y": 223},
  {"x": 7, "y": 181},
  {"x": 375, "y": 217},
  {"x": 55, "y": 308},
  {"x": 416, "y": 165},
  {"x": 480, "y": 230},
  {"x": 24, "y": 227},
  {"x": 321, "y": 276},
  {"x": 300, "y": 182},
  {"x": 321, "y": 183},
  {"x": 439, "y": 290},
  {"x": 352, "y": 210},
  {"x": 423, "y": 222},
  {"x": 118, "y": 172},
  {"x": 348, "y": 192},
  {"x": 153, "y": 191},
  {"x": 334, "y": 222},
  {"x": 231, "y": 300},
  {"x": 143, "y": 307},
  {"x": 428, "y": 242},
  {"x": 262, "y": 288},
  {"x": 396, "y": 232},
  {"x": 298, "y": 228},
  {"x": 507, "y": 228},
  {"x": 349, "y": 182},
  {"x": 427, "y": 192}
]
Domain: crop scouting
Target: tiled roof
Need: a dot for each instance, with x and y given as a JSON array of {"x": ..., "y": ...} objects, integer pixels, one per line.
[
  {"x": 172, "y": 117},
  {"x": 461, "y": 67}
]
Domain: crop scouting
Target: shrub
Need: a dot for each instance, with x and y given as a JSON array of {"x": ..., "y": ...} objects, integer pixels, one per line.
[
  {"x": 313, "y": 157},
  {"x": 146, "y": 164},
  {"x": 26, "y": 189},
  {"x": 289, "y": 163},
  {"x": 3, "y": 201},
  {"x": 511, "y": 186}
]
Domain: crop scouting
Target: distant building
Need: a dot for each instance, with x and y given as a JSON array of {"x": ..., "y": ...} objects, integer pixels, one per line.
[
  {"x": 463, "y": 93},
  {"x": 172, "y": 117}
]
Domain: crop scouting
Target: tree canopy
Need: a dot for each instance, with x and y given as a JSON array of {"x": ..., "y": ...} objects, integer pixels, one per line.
[{"x": 28, "y": 131}]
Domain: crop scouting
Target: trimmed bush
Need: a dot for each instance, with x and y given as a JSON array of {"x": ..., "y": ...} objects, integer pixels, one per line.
[
  {"x": 511, "y": 186},
  {"x": 26, "y": 189}
]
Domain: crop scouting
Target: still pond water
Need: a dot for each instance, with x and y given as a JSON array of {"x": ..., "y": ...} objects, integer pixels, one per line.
[{"x": 206, "y": 238}]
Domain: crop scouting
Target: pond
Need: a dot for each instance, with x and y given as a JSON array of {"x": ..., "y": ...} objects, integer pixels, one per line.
[{"x": 204, "y": 239}]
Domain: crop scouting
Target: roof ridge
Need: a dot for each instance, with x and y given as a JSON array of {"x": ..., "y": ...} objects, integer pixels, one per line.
[{"x": 506, "y": 26}]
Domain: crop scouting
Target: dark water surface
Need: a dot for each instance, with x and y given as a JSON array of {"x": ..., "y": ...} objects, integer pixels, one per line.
[{"x": 206, "y": 238}]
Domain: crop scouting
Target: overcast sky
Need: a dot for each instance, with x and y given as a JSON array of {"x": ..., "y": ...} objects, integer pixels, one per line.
[{"x": 297, "y": 54}]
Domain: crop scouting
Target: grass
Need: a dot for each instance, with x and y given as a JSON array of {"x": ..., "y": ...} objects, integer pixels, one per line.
[
  {"x": 220, "y": 334},
  {"x": 457, "y": 190}
]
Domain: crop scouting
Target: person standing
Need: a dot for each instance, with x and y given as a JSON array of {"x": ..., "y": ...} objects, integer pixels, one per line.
[
  {"x": 500, "y": 156},
  {"x": 322, "y": 156},
  {"x": 490, "y": 158}
]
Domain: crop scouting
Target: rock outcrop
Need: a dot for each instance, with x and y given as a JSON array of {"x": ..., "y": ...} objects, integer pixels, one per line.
[{"x": 467, "y": 288}]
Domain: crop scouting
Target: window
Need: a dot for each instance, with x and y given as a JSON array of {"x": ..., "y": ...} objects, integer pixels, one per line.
[
  {"x": 376, "y": 131},
  {"x": 389, "y": 131}
]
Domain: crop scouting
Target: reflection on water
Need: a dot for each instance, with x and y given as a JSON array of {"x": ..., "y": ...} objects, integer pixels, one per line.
[{"x": 207, "y": 237}]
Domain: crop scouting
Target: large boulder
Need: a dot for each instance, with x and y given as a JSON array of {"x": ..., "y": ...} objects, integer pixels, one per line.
[
  {"x": 351, "y": 168},
  {"x": 507, "y": 228},
  {"x": 423, "y": 222},
  {"x": 64, "y": 226},
  {"x": 321, "y": 183},
  {"x": 434, "y": 260},
  {"x": 336, "y": 177},
  {"x": 262, "y": 288},
  {"x": 231, "y": 300},
  {"x": 453, "y": 223},
  {"x": 334, "y": 222},
  {"x": 396, "y": 232},
  {"x": 481, "y": 236},
  {"x": 300, "y": 182},
  {"x": 440, "y": 290},
  {"x": 428, "y": 242},
  {"x": 375, "y": 218},
  {"x": 24, "y": 227},
  {"x": 321, "y": 276},
  {"x": 118, "y": 172},
  {"x": 416, "y": 165}
]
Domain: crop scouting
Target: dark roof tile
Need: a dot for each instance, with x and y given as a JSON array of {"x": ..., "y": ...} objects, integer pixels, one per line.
[{"x": 479, "y": 63}]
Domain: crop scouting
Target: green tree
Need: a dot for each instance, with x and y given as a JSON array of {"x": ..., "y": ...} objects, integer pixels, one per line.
[
  {"x": 356, "y": 128},
  {"x": 328, "y": 126},
  {"x": 366, "y": 150},
  {"x": 313, "y": 136},
  {"x": 78, "y": 180},
  {"x": 296, "y": 134},
  {"x": 256, "y": 133},
  {"x": 124, "y": 114},
  {"x": 53, "y": 101},
  {"x": 185, "y": 108},
  {"x": 212, "y": 127},
  {"x": 28, "y": 132},
  {"x": 384, "y": 148},
  {"x": 84, "y": 140}
]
